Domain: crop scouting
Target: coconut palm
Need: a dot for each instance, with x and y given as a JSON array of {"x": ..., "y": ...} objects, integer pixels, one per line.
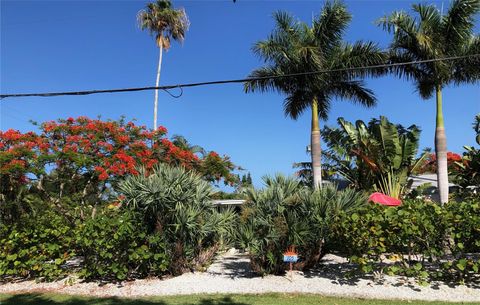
[
  {"x": 296, "y": 48},
  {"x": 165, "y": 23},
  {"x": 432, "y": 36}
]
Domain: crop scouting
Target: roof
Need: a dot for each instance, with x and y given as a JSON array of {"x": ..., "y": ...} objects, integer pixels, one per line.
[
  {"x": 426, "y": 178},
  {"x": 229, "y": 202}
]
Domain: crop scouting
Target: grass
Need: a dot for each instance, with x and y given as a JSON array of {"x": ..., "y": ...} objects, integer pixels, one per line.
[{"x": 205, "y": 299}]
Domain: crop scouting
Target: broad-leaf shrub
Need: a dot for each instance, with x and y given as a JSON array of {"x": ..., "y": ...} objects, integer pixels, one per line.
[
  {"x": 116, "y": 245},
  {"x": 175, "y": 204},
  {"x": 285, "y": 213},
  {"x": 418, "y": 238},
  {"x": 36, "y": 247}
]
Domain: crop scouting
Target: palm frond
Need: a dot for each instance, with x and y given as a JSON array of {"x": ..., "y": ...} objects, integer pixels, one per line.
[
  {"x": 354, "y": 91},
  {"x": 458, "y": 23}
]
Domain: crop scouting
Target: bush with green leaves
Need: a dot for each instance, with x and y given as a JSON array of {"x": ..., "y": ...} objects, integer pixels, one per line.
[
  {"x": 116, "y": 245},
  {"x": 175, "y": 204},
  {"x": 285, "y": 213},
  {"x": 418, "y": 238},
  {"x": 37, "y": 246}
]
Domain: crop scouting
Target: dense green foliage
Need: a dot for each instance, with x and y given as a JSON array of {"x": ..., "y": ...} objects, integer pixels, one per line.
[
  {"x": 418, "y": 238},
  {"x": 285, "y": 214},
  {"x": 175, "y": 203},
  {"x": 38, "y": 246},
  {"x": 116, "y": 245}
]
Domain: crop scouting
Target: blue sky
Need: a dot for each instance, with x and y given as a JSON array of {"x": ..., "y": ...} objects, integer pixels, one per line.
[{"x": 80, "y": 45}]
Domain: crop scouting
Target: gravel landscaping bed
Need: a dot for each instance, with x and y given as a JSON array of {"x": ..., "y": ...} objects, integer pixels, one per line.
[{"x": 230, "y": 273}]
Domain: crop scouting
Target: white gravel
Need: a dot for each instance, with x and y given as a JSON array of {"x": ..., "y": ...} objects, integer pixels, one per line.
[{"x": 230, "y": 273}]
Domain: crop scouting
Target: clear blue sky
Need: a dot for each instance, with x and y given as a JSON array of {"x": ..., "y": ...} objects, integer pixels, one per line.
[{"x": 79, "y": 45}]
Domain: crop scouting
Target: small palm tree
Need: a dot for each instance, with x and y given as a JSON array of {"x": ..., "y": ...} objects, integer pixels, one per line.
[
  {"x": 183, "y": 144},
  {"x": 296, "y": 48},
  {"x": 476, "y": 127},
  {"x": 434, "y": 36},
  {"x": 161, "y": 20}
]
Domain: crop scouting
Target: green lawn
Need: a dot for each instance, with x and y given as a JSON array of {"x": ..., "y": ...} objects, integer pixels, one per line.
[{"x": 214, "y": 299}]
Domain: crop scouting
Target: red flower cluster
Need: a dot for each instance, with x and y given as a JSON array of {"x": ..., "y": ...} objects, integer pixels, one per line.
[
  {"x": 106, "y": 149},
  {"x": 430, "y": 163},
  {"x": 109, "y": 149}
]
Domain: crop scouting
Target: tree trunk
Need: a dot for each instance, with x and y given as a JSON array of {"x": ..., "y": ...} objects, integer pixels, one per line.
[
  {"x": 156, "y": 90},
  {"x": 441, "y": 151},
  {"x": 316, "y": 150}
]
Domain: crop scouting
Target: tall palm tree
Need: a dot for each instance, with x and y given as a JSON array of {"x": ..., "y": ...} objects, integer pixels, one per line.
[
  {"x": 294, "y": 47},
  {"x": 161, "y": 20},
  {"x": 431, "y": 36}
]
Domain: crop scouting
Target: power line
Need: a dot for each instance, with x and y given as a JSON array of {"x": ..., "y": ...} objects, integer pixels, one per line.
[{"x": 219, "y": 82}]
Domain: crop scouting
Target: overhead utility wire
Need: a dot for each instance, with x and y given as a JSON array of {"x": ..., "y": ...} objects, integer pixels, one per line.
[{"x": 218, "y": 82}]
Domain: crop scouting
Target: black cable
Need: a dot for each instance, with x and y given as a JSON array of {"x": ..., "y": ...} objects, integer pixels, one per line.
[
  {"x": 173, "y": 95},
  {"x": 181, "y": 86}
]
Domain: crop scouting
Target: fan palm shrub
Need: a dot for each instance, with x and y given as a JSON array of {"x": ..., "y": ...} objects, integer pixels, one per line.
[
  {"x": 434, "y": 35},
  {"x": 285, "y": 213},
  {"x": 176, "y": 204}
]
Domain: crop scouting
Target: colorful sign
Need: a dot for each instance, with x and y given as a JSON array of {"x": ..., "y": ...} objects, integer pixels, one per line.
[{"x": 290, "y": 256}]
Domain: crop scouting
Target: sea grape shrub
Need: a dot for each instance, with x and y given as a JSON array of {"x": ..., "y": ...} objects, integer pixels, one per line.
[
  {"x": 36, "y": 248},
  {"x": 81, "y": 158},
  {"x": 116, "y": 246},
  {"x": 418, "y": 238}
]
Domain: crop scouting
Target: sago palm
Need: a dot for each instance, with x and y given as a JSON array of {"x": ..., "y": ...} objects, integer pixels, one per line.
[
  {"x": 434, "y": 36},
  {"x": 297, "y": 48},
  {"x": 165, "y": 23}
]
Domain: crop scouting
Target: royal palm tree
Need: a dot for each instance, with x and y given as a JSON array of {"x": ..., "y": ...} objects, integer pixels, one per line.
[
  {"x": 297, "y": 48},
  {"x": 434, "y": 36},
  {"x": 165, "y": 23}
]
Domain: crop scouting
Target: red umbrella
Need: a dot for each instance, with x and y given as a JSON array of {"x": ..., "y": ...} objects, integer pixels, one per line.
[{"x": 384, "y": 199}]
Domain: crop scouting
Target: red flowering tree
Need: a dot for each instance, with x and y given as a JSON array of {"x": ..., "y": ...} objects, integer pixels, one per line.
[
  {"x": 78, "y": 160},
  {"x": 430, "y": 163}
]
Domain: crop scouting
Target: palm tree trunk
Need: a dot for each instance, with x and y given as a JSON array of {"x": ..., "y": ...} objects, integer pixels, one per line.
[
  {"x": 156, "y": 90},
  {"x": 441, "y": 151},
  {"x": 316, "y": 149}
]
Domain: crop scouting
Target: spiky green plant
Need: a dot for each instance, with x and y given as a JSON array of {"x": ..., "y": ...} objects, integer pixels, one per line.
[
  {"x": 285, "y": 213},
  {"x": 176, "y": 203}
]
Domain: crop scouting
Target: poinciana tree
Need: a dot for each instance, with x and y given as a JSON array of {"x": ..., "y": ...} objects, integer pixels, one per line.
[
  {"x": 297, "y": 48},
  {"x": 166, "y": 23},
  {"x": 76, "y": 161},
  {"x": 435, "y": 36}
]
